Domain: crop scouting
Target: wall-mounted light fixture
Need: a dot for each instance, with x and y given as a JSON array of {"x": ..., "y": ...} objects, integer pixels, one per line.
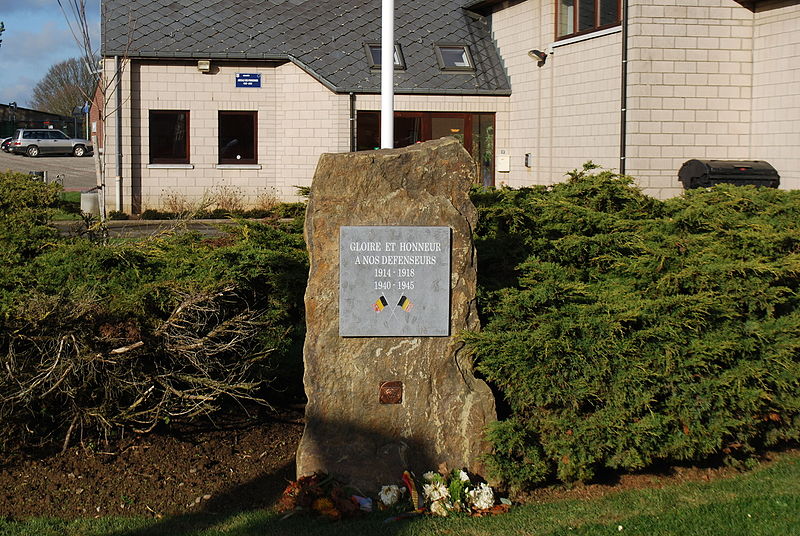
[
  {"x": 538, "y": 55},
  {"x": 204, "y": 66}
]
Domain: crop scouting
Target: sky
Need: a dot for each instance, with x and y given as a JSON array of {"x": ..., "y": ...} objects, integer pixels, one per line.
[{"x": 37, "y": 36}]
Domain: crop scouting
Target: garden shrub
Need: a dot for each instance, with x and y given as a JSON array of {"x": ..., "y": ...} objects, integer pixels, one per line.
[
  {"x": 96, "y": 336},
  {"x": 26, "y": 205},
  {"x": 621, "y": 330},
  {"x": 276, "y": 211}
]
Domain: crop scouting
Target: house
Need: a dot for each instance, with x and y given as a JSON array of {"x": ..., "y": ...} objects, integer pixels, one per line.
[{"x": 246, "y": 95}]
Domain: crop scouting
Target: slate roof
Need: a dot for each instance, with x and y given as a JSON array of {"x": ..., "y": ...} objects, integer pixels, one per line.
[{"x": 324, "y": 37}]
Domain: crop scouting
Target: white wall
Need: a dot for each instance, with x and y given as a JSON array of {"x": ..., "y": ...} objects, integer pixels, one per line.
[
  {"x": 566, "y": 111},
  {"x": 707, "y": 79},
  {"x": 776, "y": 89},
  {"x": 297, "y": 117},
  {"x": 690, "y": 73}
]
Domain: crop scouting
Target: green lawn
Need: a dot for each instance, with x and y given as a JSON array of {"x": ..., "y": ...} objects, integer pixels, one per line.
[
  {"x": 765, "y": 501},
  {"x": 69, "y": 207}
]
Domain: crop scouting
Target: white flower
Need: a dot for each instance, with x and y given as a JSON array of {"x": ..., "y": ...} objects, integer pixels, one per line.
[
  {"x": 463, "y": 476},
  {"x": 389, "y": 495},
  {"x": 439, "y": 508},
  {"x": 435, "y": 491},
  {"x": 429, "y": 476},
  {"x": 481, "y": 497}
]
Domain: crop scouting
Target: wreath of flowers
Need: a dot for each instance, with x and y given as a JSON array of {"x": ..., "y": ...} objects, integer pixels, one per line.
[{"x": 443, "y": 493}]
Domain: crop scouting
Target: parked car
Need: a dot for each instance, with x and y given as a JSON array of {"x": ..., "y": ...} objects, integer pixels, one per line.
[
  {"x": 36, "y": 141},
  {"x": 4, "y": 145}
]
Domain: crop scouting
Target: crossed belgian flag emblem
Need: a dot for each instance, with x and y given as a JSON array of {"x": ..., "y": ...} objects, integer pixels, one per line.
[{"x": 380, "y": 304}]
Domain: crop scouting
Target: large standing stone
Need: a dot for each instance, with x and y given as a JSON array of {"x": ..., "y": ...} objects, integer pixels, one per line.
[{"x": 444, "y": 410}]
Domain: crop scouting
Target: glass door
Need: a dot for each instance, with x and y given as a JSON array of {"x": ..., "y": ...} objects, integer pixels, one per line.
[{"x": 474, "y": 130}]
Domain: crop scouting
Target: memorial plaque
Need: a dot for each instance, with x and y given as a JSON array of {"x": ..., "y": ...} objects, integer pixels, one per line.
[{"x": 394, "y": 281}]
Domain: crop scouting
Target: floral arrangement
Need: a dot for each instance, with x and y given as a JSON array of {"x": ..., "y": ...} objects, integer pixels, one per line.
[
  {"x": 442, "y": 493},
  {"x": 455, "y": 492},
  {"x": 323, "y": 495}
]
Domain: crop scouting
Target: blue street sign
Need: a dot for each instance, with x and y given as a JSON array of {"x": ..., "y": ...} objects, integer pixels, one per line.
[{"x": 248, "y": 80}]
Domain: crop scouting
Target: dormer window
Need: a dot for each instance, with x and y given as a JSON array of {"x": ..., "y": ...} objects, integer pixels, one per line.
[
  {"x": 374, "y": 56},
  {"x": 454, "y": 58}
]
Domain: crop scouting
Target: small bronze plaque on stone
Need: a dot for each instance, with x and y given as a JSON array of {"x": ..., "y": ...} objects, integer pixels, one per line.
[{"x": 391, "y": 392}]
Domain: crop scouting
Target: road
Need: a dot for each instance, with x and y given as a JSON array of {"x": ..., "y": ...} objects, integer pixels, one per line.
[{"x": 77, "y": 173}]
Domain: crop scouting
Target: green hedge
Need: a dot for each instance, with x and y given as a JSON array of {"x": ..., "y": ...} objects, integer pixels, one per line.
[
  {"x": 621, "y": 330},
  {"x": 26, "y": 206},
  {"x": 95, "y": 335}
]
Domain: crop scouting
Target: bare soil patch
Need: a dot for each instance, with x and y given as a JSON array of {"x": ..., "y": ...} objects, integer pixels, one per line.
[
  {"x": 189, "y": 469},
  {"x": 239, "y": 465}
]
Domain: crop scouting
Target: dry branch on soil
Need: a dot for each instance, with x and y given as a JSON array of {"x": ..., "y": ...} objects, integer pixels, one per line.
[{"x": 206, "y": 350}]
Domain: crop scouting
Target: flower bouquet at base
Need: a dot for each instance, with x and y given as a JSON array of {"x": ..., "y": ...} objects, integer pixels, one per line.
[
  {"x": 323, "y": 495},
  {"x": 444, "y": 493}
]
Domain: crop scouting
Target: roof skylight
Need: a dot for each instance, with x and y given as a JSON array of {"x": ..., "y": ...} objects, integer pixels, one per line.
[
  {"x": 374, "y": 56},
  {"x": 454, "y": 58}
]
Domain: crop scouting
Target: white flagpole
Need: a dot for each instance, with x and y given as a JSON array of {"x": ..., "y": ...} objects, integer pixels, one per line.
[{"x": 387, "y": 75}]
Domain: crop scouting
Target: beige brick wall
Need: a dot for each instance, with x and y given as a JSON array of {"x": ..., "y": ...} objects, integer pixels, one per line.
[
  {"x": 297, "y": 117},
  {"x": 309, "y": 120},
  {"x": 707, "y": 79},
  {"x": 298, "y": 120},
  {"x": 109, "y": 116},
  {"x": 690, "y": 72},
  {"x": 438, "y": 103},
  {"x": 565, "y": 112},
  {"x": 776, "y": 89}
]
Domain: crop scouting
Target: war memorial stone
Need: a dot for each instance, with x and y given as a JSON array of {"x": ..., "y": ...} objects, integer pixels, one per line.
[{"x": 391, "y": 285}]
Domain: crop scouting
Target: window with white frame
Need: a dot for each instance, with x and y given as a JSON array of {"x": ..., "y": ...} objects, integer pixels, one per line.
[
  {"x": 454, "y": 58},
  {"x": 374, "y": 51}
]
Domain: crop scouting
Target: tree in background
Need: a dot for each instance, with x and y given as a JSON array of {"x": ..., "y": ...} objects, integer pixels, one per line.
[
  {"x": 106, "y": 89},
  {"x": 66, "y": 85}
]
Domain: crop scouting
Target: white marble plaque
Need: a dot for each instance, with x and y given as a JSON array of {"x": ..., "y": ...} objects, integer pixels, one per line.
[{"x": 394, "y": 281}]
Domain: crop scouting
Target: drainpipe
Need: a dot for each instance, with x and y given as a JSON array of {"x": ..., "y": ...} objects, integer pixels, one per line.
[
  {"x": 624, "y": 90},
  {"x": 118, "y": 129},
  {"x": 352, "y": 122}
]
